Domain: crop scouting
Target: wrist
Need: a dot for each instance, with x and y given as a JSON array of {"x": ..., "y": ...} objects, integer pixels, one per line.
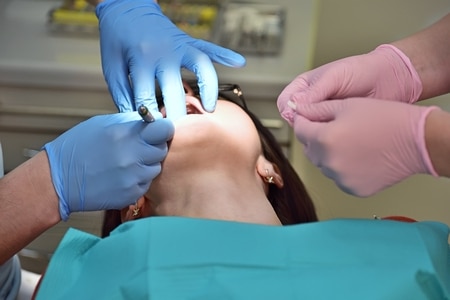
[
  {"x": 437, "y": 139},
  {"x": 41, "y": 185},
  {"x": 29, "y": 205},
  {"x": 404, "y": 71}
]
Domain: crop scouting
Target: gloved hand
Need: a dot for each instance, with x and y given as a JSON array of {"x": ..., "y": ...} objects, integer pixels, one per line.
[
  {"x": 107, "y": 162},
  {"x": 384, "y": 73},
  {"x": 364, "y": 145},
  {"x": 136, "y": 39}
]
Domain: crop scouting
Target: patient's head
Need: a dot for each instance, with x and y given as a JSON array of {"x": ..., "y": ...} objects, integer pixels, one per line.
[{"x": 223, "y": 165}]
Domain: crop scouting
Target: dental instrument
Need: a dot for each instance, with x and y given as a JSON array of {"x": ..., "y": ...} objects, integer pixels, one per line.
[{"x": 145, "y": 114}]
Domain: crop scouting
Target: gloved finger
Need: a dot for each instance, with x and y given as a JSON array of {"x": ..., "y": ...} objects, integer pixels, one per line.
[
  {"x": 169, "y": 79},
  {"x": 342, "y": 186},
  {"x": 199, "y": 63},
  {"x": 116, "y": 77},
  {"x": 116, "y": 118},
  {"x": 298, "y": 85},
  {"x": 311, "y": 118},
  {"x": 308, "y": 89},
  {"x": 319, "y": 112},
  {"x": 286, "y": 97},
  {"x": 142, "y": 74},
  {"x": 144, "y": 183},
  {"x": 219, "y": 54},
  {"x": 328, "y": 172},
  {"x": 311, "y": 87},
  {"x": 155, "y": 154},
  {"x": 158, "y": 132},
  {"x": 305, "y": 130},
  {"x": 308, "y": 133},
  {"x": 288, "y": 111},
  {"x": 308, "y": 124}
]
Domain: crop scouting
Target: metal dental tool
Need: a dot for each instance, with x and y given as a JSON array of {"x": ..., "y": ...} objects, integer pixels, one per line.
[{"x": 145, "y": 114}]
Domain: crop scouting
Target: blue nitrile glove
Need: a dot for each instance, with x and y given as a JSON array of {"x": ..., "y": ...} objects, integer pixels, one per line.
[
  {"x": 107, "y": 162},
  {"x": 137, "y": 39}
]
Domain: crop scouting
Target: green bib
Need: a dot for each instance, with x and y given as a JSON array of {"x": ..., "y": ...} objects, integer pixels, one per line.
[{"x": 183, "y": 258}]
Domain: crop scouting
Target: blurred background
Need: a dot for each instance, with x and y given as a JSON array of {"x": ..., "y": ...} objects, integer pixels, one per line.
[{"x": 51, "y": 79}]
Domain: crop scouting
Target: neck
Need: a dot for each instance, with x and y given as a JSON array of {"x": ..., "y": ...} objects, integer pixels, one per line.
[{"x": 216, "y": 195}]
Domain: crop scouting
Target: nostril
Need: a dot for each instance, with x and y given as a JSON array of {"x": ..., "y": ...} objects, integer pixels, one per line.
[
  {"x": 193, "y": 105},
  {"x": 190, "y": 109},
  {"x": 187, "y": 89}
]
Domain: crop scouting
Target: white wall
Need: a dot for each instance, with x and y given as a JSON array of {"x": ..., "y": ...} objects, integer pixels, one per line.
[{"x": 348, "y": 27}]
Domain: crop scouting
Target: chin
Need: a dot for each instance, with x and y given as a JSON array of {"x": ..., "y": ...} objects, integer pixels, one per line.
[{"x": 195, "y": 130}]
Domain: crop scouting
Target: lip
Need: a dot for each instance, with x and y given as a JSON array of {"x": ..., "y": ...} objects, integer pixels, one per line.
[{"x": 193, "y": 105}]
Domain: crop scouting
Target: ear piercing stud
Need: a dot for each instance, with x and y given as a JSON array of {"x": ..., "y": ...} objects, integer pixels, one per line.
[
  {"x": 136, "y": 210},
  {"x": 268, "y": 179}
]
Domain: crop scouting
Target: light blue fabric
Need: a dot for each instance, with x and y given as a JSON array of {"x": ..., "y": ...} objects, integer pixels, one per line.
[
  {"x": 180, "y": 258},
  {"x": 10, "y": 277}
]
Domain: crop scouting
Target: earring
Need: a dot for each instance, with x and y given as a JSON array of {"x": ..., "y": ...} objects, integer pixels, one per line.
[
  {"x": 136, "y": 210},
  {"x": 268, "y": 179}
]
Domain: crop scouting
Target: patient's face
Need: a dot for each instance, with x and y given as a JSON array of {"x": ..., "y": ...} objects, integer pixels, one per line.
[
  {"x": 203, "y": 138},
  {"x": 212, "y": 159},
  {"x": 206, "y": 142}
]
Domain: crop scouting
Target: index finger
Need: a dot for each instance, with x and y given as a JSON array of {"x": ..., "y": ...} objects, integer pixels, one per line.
[
  {"x": 200, "y": 64},
  {"x": 143, "y": 80},
  {"x": 173, "y": 92},
  {"x": 116, "y": 77}
]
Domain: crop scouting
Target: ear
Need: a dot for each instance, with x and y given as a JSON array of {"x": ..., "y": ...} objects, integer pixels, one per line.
[
  {"x": 134, "y": 211},
  {"x": 269, "y": 172}
]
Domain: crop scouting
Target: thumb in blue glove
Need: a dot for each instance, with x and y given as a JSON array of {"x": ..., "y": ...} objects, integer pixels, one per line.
[
  {"x": 139, "y": 42},
  {"x": 107, "y": 162}
]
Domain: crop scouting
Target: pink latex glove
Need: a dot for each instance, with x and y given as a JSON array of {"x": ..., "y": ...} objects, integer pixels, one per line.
[
  {"x": 384, "y": 73},
  {"x": 364, "y": 145}
]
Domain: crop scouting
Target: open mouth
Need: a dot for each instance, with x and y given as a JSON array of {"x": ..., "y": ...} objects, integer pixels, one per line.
[{"x": 193, "y": 105}]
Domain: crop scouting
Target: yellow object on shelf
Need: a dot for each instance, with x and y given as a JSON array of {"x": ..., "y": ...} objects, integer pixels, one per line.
[
  {"x": 196, "y": 18},
  {"x": 62, "y": 16},
  {"x": 74, "y": 16}
]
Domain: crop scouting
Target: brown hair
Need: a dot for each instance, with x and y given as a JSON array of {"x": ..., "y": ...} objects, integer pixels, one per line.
[{"x": 291, "y": 203}]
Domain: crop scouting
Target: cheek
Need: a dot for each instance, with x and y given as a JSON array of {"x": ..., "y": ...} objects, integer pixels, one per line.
[
  {"x": 241, "y": 130},
  {"x": 226, "y": 132},
  {"x": 237, "y": 127},
  {"x": 245, "y": 135},
  {"x": 231, "y": 116}
]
